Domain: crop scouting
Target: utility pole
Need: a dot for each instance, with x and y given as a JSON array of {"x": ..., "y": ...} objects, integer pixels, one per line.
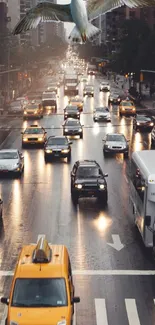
[{"x": 8, "y": 90}]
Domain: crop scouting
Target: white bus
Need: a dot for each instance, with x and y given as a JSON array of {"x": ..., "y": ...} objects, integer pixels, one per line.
[{"x": 142, "y": 194}]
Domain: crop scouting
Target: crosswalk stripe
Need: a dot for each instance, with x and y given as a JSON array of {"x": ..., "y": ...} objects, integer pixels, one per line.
[
  {"x": 101, "y": 312},
  {"x": 132, "y": 312}
]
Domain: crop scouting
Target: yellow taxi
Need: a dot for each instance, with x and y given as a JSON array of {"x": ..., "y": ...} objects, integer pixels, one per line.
[
  {"x": 127, "y": 107},
  {"x": 33, "y": 110},
  {"x": 42, "y": 290},
  {"x": 76, "y": 101},
  {"x": 34, "y": 135}
]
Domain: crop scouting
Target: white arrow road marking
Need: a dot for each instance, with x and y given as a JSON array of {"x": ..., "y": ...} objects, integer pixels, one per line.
[
  {"x": 101, "y": 313},
  {"x": 132, "y": 312},
  {"x": 116, "y": 243}
]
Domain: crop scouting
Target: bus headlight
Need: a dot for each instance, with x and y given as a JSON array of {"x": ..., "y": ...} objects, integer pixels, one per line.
[
  {"x": 102, "y": 186},
  {"x": 25, "y": 112}
]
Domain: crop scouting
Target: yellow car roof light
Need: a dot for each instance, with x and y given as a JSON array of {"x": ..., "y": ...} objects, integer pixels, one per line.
[{"x": 42, "y": 252}]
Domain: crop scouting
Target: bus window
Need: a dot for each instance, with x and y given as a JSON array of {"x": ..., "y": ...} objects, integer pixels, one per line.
[{"x": 138, "y": 181}]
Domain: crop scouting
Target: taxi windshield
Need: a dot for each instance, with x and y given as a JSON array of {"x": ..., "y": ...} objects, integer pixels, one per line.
[
  {"x": 127, "y": 104},
  {"x": 32, "y": 107},
  {"x": 102, "y": 109},
  {"x": 45, "y": 292},
  {"x": 34, "y": 131},
  {"x": 71, "y": 108}
]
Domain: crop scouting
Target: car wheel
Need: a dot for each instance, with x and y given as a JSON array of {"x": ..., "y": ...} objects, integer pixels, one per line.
[
  {"x": 46, "y": 158},
  {"x": 126, "y": 154},
  {"x": 69, "y": 157},
  {"x": 105, "y": 153},
  {"x": 103, "y": 199},
  {"x": 74, "y": 198},
  {"x": 120, "y": 114},
  {"x": 81, "y": 136}
]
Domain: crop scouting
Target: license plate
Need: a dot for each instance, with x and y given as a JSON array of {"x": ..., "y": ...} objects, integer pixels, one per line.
[
  {"x": 57, "y": 154},
  {"x": 91, "y": 193}
]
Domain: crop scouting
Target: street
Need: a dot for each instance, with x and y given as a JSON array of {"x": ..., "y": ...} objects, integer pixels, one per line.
[{"x": 106, "y": 250}]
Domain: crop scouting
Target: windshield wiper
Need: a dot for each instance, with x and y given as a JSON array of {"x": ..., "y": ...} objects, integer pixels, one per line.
[{"x": 18, "y": 304}]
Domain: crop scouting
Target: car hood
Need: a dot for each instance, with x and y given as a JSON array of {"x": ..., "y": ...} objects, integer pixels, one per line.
[
  {"x": 8, "y": 163},
  {"x": 102, "y": 113},
  {"x": 39, "y": 316},
  {"x": 54, "y": 147},
  {"x": 71, "y": 112},
  {"x": 143, "y": 121},
  {"x": 33, "y": 135},
  {"x": 115, "y": 143},
  {"x": 69, "y": 127},
  {"x": 92, "y": 181}
]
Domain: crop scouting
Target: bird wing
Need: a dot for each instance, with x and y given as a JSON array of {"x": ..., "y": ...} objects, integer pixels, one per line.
[
  {"x": 43, "y": 12},
  {"x": 98, "y": 7}
]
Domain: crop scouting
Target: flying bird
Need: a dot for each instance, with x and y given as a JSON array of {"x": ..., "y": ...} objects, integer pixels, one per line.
[{"x": 78, "y": 12}]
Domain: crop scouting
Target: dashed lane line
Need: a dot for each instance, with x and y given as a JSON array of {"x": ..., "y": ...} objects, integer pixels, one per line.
[{"x": 98, "y": 272}]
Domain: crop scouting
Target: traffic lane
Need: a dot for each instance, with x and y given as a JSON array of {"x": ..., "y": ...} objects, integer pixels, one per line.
[
  {"x": 86, "y": 230},
  {"x": 118, "y": 299}
]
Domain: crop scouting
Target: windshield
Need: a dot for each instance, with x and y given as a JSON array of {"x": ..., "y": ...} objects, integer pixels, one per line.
[
  {"x": 115, "y": 137},
  {"x": 89, "y": 88},
  {"x": 40, "y": 293},
  {"x": 33, "y": 131},
  {"x": 72, "y": 123},
  {"x": 17, "y": 103},
  {"x": 127, "y": 104},
  {"x": 57, "y": 141},
  {"x": 71, "y": 108},
  {"x": 87, "y": 172},
  {"x": 143, "y": 118},
  {"x": 102, "y": 109},
  {"x": 76, "y": 100},
  {"x": 71, "y": 81},
  {"x": 8, "y": 155},
  {"x": 49, "y": 95},
  {"x": 32, "y": 107}
]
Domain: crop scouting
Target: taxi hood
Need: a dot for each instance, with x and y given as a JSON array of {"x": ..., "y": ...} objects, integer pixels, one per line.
[{"x": 39, "y": 316}]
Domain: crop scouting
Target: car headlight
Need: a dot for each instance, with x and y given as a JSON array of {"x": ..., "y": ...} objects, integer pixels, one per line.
[
  {"x": 65, "y": 150},
  {"x": 102, "y": 186},
  {"x": 40, "y": 139},
  {"x": 79, "y": 186},
  {"x": 25, "y": 112},
  {"x": 123, "y": 109},
  {"x": 66, "y": 88},
  {"x": 13, "y": 323},
  {"x": 66, "y": 130},
  {"x": 138, "y": 123},
  {"x": 151, "y": 123},
  {"x": 35, "y": 112},
  {"x": 62, "y": 322},
  {"x": 133, "y": 109},
  {"x": 48, "y": 150},
  {"x": 25, "y": 139},
  {"x": 80, "y": 130}
]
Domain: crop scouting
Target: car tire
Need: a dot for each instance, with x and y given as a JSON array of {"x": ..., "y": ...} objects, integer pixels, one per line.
[
  {"x": 105, "y": 154},
  {"x": 1, "y": 214},
  {"x": 126, "y": 155},
  {"x": 46, "y": 158},
  {"x": 120, "y": 114},
  {"x": 81, "y": 136},
  {"x": 69, "y": 157},
  {"x": 103, "y": 199},
  {"x": 74, "y": 198},
  {"x": 23, "y": 145}
]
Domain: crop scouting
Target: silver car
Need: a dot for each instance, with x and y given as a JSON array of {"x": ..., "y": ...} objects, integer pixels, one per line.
[
  {"x": 102, "y": 114},
  {"x": 11, "y": 161},
  {"x": 115, "y": 143}
]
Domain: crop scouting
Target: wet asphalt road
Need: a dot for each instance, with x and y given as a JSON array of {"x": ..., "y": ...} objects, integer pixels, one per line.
[{"x": 40, "y": 203}]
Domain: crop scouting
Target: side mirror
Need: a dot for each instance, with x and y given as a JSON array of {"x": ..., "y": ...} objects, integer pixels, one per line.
[
  {"x": 72, "y": 174},
  {"x": 1, "y": 201},
  {"x": 105, "y": 175},
  {"x": 147, "y": 221},
  {"x": 4, "y": 300},
  {"x": 75, "y": 300},
  {"x": 70, "y": 142}
]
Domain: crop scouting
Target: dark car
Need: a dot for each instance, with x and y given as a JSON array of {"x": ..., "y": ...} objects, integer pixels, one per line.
[
  {"x": 115, "y": 143},
  {"x": 143, "y": 122},
  {"x": 73, "y": 127},
  {"x": 88, "y": 180},
  {"x": 71, "y": 111},
  {"x": 57, "y": 146},
  {"x": 114, "y": 98}
]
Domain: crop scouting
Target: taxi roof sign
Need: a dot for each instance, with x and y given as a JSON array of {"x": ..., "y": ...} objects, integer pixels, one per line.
[{"x": 42, "y": 252}]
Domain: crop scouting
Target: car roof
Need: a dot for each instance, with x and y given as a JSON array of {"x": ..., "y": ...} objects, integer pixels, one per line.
[
  {"x": 115, "y": 134},
  {"x": 8, "y": 150},
  {"x": 89, "y": 163}
]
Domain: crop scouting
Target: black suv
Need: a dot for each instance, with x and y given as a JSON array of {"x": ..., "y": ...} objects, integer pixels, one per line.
[
  {"x": 71, "y": 111},
  {"x": 88, "y": 180},
  {"x": 58, "y": 147}
]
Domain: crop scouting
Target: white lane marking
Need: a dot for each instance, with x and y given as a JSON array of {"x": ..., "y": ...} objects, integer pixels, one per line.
[
  {"x": 97, "y": 272},
  {"x": 4, "y": 315},
  {"x": 74, "y": 317},
  {"x": 132, "y": 312},
  {"x": 116, "y": 243},
  {"x": 101, "y": 313},
  {"x": 126, "y": 179}
]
